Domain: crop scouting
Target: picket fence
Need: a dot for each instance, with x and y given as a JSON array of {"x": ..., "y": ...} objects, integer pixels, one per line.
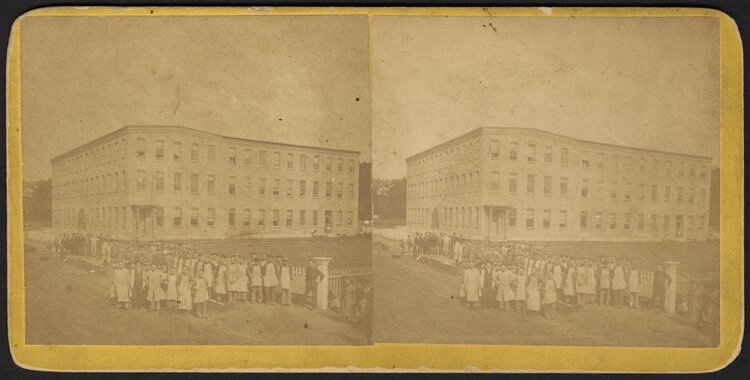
[{"x": 335, "y": 278}]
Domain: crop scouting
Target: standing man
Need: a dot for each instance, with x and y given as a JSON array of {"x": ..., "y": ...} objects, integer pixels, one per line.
[
  {"x": 661, "y": 282},
  {"x": 313, "y": 276}
]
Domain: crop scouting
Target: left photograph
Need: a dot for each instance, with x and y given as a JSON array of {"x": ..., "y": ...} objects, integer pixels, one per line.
[{"x": 196, "y": 180}]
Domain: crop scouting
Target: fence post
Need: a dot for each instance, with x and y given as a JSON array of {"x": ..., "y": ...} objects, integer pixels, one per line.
[
  {"x": 321, "y": 299},
  {"x": 670, "y": 293}
]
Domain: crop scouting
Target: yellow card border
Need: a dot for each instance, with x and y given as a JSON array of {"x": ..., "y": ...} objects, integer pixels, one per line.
[{"x": 402, "y": 357}]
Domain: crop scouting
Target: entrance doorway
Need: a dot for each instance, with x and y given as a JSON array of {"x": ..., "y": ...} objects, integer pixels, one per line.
[{"x": 496, "y": 222}]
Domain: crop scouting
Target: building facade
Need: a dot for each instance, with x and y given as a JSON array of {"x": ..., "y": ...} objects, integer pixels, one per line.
[
  {"x": 171, "y": 182},
  {"x": 526, "y": 184}
]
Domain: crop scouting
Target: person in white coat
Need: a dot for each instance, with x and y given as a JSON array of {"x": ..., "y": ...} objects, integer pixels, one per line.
[{"x": 472, "y": 285}]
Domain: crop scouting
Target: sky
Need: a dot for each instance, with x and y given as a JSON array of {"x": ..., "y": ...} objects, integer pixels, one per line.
[
  {"x": 293, "y": 79},
  {"x": 644, "y": 82}
]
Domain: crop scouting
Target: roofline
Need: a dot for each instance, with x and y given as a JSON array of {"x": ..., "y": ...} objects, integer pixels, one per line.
[
  {"x": 187, "y": 129},
  {"x": 482, "y": 130}
]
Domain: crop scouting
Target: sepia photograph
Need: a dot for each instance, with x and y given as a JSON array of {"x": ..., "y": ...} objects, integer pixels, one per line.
[
  {"x": 196, "y": 180},
  {"x": 546, "y": 181}
]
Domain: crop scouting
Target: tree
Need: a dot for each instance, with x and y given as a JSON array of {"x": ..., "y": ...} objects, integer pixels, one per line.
[{"x": 37, "y": 203}]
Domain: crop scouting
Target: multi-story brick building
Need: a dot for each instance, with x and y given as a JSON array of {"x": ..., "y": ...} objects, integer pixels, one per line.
[
  {"x": 171, "y": 182},
  {"x": 527, "y": 184}
]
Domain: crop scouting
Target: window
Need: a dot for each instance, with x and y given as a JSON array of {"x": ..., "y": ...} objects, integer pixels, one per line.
[
  {"x": 316, "y": 163},
  {"x": 212, "y": 153},
  {"x": 158, "y": 181},
  {"x": 612, "y": 221},
  {"x": 210, "y": 217},
  {"x": 248, "y": 157},
  {"x": 548, "y": 154},
  {"x": 629, "y": 164},
  {"x": 289, "y": 216},
  {"x": 512, "y": 183},
  {"x": 315, "y": 217},
  {"x": 194, "y": 217},
  {"x": 585, "y": 158},
  {"x": 641, "y": 191},
  {"x": 303, "y": 162},
  {"x": 351, "y": 166},
  {"x": 679, "y": 194},
  {"x": 681, "y": 169},
  {"x": 563, "y": 186},
  {"x": 246, "y": 217},
  {"x": 613, "y": 191},
  {"x": 563, "y": 219},
  {"x": 494, "y": 149},
  {"x": 248, "y": 188},
  {"x": 584, "y": 219},
  {"x": 667, "y": 193},
  {"x": 627, "y": 191},
  {"x": 655, "y": 167},
  {"x": 653, "y": 222},
  {"x": 276, "y": 159},
  {"x": 194, "y": 152},
  {"x": 678, "y": 221},
  {"x": 177, "y": 216},
  {"x": 531, "y": 154},
  {"x": 513, "y": 152},
  {"x": 340, "y": 165},
  {"x": 177, "y": 181},
  {"x": 665, "y": 225},
  {"x": 584, "y": 188},
  {"x": 654, "y": 192},
  {"x": 193, "y": 183},
  {"x": 159, "y": 216},
  {"x": 328, "y": 190},
  {"x": 276, "y": 184},
  {"x": 351, "y": 191},
  {"x": 262, "y": 217},
  {"x": 529, "y": 218},
  {"x": 546, "y": 216},
  {"x": 350, "y": 217},
  {"x": 177, "y": 154},
  {"x": 640, "y": 223},
  {"x": 495, "y": 181},
  {"x": 315, "y": 191},
  {"x": 600, "y": 161},
  {"x": 668, "y": 169},
  {"x": 275, "y": 218},
  {"x": 230, "y": 217},
  {"x": 302, "y": 188},
  {"x": 289, "y": 188},
  {"x": 159, "y": 149},
  {"x": 301, "y": 217},
  {"x": 564, "y": 157},
  {"x": 615, "y": 163},
  {"x": 232, "y": 185},
  {"x": 703, "y": 171},
  {"x": 329, "y": 164},
  {"x": 598, "y": 221},
  {"x": 547, "y": 185},
  {"x": 140, "y": 180},
  {"x": 626, "y": 225},
  {"x": 232, "y": 156},
  {"x": 262, "y": 186},
  {"x": 512, "y": 217},
  {"x": 339, "y": 217},
  {"x": 530, "y": 183},
  {"x": 211, "y": 183},
  {"x": 692, "y": 171},
  {"x": 140, "y": 147},
  {"x": 262, "y": 158},
  {"x": 290, "y": 161}
]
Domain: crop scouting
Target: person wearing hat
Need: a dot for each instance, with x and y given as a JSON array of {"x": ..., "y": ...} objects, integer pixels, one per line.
[
  {"x": 256, "y": 281},
  {"x": 285, "y": 279}
]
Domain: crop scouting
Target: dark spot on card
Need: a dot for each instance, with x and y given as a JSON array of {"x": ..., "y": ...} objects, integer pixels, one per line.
[{"x": 306, "y": 325}]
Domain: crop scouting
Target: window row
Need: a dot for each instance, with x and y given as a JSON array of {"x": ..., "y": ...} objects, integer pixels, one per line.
[
  {"x": 94, "y": 185},
  {"x": 246, "y": 156},
  {"x": 249, "y": 185},
  {"x": 194, "y": 217}
]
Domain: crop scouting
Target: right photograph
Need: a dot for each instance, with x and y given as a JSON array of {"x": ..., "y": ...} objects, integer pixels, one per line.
[{"x": 546, "y": 181}]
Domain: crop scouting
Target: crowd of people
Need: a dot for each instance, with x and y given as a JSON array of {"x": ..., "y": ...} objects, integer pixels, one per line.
[
  {"x": 521, "y": 277},
  {"x": 175, "y": 277}
]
